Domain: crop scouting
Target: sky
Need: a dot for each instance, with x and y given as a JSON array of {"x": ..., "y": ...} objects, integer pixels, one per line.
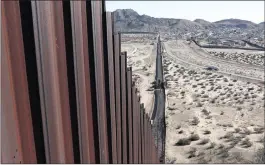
[{"x": 208, "y": 10}]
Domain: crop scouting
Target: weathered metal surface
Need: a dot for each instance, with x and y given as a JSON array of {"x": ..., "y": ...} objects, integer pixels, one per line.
[
  {"x": 139, "y": 128},
  {"x": 82, "y": 74},
  {"x": 130, "y": 114},
  {"x": 123, "y": 107},
  {"x": 51, "y": 61},
  {"x": 135, "y": 135},
  {"x": 96, "y": 11},
  {"x": 117, "y": 95},
  {"x": 111, "y": 83},
  {"x": 17, "y": 137},
  {"x": 103, "y": 94}
]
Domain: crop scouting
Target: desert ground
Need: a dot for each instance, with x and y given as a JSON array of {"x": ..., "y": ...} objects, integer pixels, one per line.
[
  {"x": 213, "y": 116},
  {"x": 141, "y": 56}
]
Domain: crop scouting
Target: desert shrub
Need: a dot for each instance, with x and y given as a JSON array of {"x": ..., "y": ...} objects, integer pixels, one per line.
[
  {"x": 223, "y": 153},
  {"x": 222, "y": 112},
  {"x": 203, "y": 141},
  {"x": 194, "y": 137},
  {"x": 199, "y": 104},
  {"x": 239, "y": 108},
  {"x": 237, "y": 130},
  {"x": 206, "y": 132},
  {"x": 258, "y": 130},
  {"x": 183, "y": 142},
  {"x": 228, "y": 135},
  {"x": 212, "y": 145},
  {"x": 205, "y": 96},
  {"x": 192, "y": 152},
  {"x": 205, "y": 112},
  {"x": 195, "y": 121},
  {"x": 246, "y": 143},
  {"x": 178, "y": 127},
  {"x": 180, "y": 132}
]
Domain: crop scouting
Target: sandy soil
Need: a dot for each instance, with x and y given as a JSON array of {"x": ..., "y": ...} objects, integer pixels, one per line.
[
  {"x": 141, "y": 56},
  {"x": 211, "y": 117},
  {"x": 255, "y": 58},
  {"x": 197, "y": 57}
]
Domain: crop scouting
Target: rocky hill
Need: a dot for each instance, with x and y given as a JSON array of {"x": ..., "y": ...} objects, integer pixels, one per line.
[
  {"x": 236, "y": 23},
  {"x": 130, "y": 20}
]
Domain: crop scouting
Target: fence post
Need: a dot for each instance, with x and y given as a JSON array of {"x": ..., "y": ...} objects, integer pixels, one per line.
[
  {"x": 17, "y": 136},
  {"x": 130, "y": 113}
]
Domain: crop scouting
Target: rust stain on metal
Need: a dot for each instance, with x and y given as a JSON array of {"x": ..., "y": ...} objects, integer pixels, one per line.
[
  {"x": 111, "y": 85},
  {"x": 16, "y": 124},
  {"x": 130, "y": 114},
  {"x": 83, "y": 91},
  {"x": 96, "y": 8},
  {"x": 123, "y": 106},
  {"x": 117, "y": 95},
  {"x": 51, "y": 62}
]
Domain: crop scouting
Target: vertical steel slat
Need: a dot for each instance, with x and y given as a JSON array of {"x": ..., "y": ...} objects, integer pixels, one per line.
[
  {"x": 110, "y": 60},
  {"x": 82, "y": 78},
  {"x": 140, "y": 135},
  {"x": 135, "y": 135},
  {"x": 96, "y": 10},
  {"x": 123, "y": 107},
  {"x": 51, "y": 62},
  {"x": 139, "y": 128},
  {"x": 130, "y": 114},
  {"x": 117, "y": 95},
  {"x": 17, "y": 137},
  {"x": 149, "y": 141}
]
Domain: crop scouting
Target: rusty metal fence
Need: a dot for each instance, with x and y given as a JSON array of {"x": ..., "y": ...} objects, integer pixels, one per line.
[{"x": 67, "y": 93}]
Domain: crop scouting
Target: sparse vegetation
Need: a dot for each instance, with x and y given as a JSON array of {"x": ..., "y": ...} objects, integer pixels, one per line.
[
  {"x": 206, "y": 132},
  {"x": 246, "y": 143},
  {"x": 258, "y": 130},
  {"x": 212, "y": 145},
  {"x": 192, "y": 152},
  {"x": 194, "y": 137},
  {"x": 183, "y": 142},
  {"x": 195, "y": 121},
  {"x": 203, "y": 141}
]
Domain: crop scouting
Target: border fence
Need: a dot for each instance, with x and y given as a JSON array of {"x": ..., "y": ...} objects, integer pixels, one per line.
[{"x": 67, "y": 94}]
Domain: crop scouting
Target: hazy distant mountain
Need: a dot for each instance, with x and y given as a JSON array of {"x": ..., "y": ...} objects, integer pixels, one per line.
[
  {"x": 236, "y": 23},
  {"x": 130, "y": 20}
]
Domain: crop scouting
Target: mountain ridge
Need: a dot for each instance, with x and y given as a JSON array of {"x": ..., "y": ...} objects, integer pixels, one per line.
[{"x": 130, "y": 20}]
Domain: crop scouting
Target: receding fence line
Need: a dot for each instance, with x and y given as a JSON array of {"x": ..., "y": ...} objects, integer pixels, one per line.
[{"x": 89, "y": 108}]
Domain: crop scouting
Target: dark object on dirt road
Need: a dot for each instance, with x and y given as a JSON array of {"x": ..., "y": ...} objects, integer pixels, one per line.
[{"x": 212, "y": 68}]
